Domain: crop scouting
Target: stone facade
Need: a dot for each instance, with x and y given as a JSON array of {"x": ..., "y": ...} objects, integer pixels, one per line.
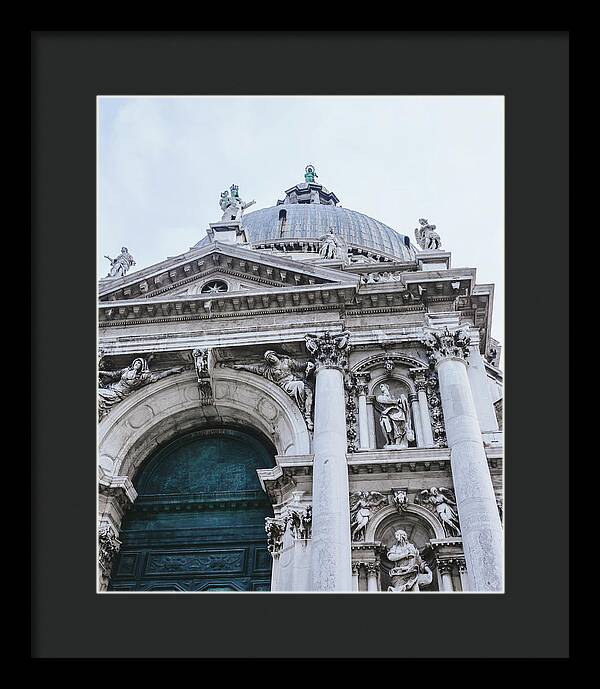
[{"x": 372, "y": 376}]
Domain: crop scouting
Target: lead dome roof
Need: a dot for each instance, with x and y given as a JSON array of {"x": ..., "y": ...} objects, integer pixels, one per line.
[{"x": 309, "y": 211}]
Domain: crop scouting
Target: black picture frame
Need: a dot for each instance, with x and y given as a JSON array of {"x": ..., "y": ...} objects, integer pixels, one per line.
[{"x": 68, "y": 70}]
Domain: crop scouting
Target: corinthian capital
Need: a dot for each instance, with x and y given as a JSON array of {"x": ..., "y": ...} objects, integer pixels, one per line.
[
  {"x": 329, "y": 351},
  {"x": 445, "y": 344}
]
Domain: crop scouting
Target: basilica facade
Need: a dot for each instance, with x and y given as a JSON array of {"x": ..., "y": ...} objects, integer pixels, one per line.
[{"x": 306, "y": 400}]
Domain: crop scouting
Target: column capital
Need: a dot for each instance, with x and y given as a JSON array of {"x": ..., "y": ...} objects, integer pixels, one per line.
[
  {"x": 356, "y": 567},
  {"x": 329, "y": 350},
  {"x": 419, "y": 376},
  {"x": 444, "y": 566},
  {"x": 372, "y": 568},
  {"x": 447, "y": 344},
  {"x": 108, "y": 546}
]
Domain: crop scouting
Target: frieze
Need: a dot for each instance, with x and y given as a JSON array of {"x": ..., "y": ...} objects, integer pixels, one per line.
[{"x": 224, "y": 562}]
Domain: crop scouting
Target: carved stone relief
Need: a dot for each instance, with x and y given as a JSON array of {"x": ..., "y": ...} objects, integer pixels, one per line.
[
  {"x": 443, "y": 503},
  {"x": 275, "y": 528},
  {"x": 108, "y": 546},
  {"x": 363, "y": 504}
]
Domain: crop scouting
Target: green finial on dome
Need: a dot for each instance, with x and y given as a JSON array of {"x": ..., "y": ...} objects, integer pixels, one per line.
[{"x": 310, "y": 174}]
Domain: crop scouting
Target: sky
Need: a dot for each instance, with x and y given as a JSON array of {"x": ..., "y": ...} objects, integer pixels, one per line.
[{"x": 163, "y": 162}]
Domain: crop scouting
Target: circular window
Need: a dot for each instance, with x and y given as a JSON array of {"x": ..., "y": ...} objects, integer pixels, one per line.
[{"x": 214, "y": 287}]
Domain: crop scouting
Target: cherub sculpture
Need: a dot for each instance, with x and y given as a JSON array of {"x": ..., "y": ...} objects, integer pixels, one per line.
[
  {"x": 442, "y": 502},
  {"x": 362, "y": 505}
]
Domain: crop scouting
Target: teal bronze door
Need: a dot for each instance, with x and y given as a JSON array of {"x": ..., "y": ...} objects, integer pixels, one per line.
[{"x": 198, "y": 523}]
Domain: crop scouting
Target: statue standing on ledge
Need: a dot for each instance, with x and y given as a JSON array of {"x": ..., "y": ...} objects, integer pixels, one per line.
[
  {"x": 394, "y": 418},
  {"x": 333, "y": 246},
  {"x": 126, "y": 380},
  {"x": 290, "y": 376},
  {"x": 426, "y": 236},
  {"x": 409, "y": 571},
  {"x": 120, "y": 265},
  {"x": 232, "y": 205}
]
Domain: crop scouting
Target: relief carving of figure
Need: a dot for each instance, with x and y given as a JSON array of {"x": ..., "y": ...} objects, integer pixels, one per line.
[
  {"x": 362, "y": 505},
  {"x": 290, "y": 375},
  {"x": 232, "y": 205},
  {"x": 426, "y": 236},
  {"x": 410, "y": 571},
  {"x": 125, "y": 381},
  {"x": 120, "y": 265},
  {"x": 394, "y": 417},
  {"x": 441, "y": 500}
]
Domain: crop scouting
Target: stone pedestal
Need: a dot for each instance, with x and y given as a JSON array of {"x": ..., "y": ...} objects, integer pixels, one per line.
[
  {"x": 479, "y": 521},
  {"x": 331, "y": 568}
]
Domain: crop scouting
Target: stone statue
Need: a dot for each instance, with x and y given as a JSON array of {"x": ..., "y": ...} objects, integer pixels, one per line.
[
  {"x": 120, "y": 265},
  {"x": 362, "y": 504},
  {"x": 290, "y": 375},
  {"x": 426, "y": 236},
  {"x": 410, "y": 572},
  {"x": 394, "y": 418},
  {"x": 442, "y": 501},
  {"x": 126, "y": 380},
  {"x": 232, "y": 205},
  {"x": 333, "y": 246}
]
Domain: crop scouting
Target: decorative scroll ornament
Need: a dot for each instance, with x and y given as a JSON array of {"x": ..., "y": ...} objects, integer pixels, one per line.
[
  {"x": 445, "y": 344},
  {"x": 426, "y": 236},
  {"x": 121, "y": 264},
  {"x": 232, "y": 205},
  {"x": 362, "y": 505},
  {"x": 293, "y": 377},
  {"x": 300, "y": 523},
  {"x": 329, "y": 351},
  {"x": 410, "y": 571},
  {"x": 351, "y": 388},
  {"x": 127, "y": 380},
  {"x": 275, "y": 528},
  {"x": 203, "y": 365},
  {"x": 442, "y": 502},
  {"x": 400, "y": 499},
  {"x": 109, "y": 546}
]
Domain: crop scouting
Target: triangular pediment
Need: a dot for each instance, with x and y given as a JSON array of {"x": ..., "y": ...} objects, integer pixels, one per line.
[{"x": 219, "y": 268}]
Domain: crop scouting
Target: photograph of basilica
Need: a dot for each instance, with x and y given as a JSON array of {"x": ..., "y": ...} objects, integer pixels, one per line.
[{"x": 306, "y": 400}]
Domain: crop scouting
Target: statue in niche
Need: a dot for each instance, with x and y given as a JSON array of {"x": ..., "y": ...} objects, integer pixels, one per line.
[
  {"x": 426, "y": 236},
  {"x": 410, "y": 571},
  {"x": 333, "y": 246},
  {"x": 394, "y": 418},
  {"x": 290, "y": 375},
  {"x": 441, "y": 500},
  {"x": 120, "y": 265},
  {"x": 232, "y": 205},
  {"x": 362, "y": 504},
  {"x": 125, "y": 381}
]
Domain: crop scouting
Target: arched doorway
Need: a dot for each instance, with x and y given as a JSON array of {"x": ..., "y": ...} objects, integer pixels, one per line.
[{"x": 198, "y": 521}]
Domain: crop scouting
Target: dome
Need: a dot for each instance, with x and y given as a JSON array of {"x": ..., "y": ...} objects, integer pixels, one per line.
[{"x": 309, "y": 211}]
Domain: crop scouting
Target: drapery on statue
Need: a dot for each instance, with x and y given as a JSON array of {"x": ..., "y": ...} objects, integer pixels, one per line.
[
  {"x": 442, "y": 501},
  {"x": 232, "y": 205},
  {"x": 362, "y": 504},
  {"x": 126, "y": 380},
  {"x": 333, "y": 246},
  {"x": 290, "y": 375},
  {"x": 120, "y": 265},
  {"x": 410, "y": 571},
  {"x": 426, "y": 236},
  {"x": 394, "y": 417}
]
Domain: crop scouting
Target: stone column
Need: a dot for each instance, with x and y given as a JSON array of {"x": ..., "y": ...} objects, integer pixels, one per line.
[
  {"x": 478, "y": 514},
  {"x": 115, "y": 495},
  {"x": 414, "y": 405},
  {"x": 445, "y": 570},
  {"x": 363, "y": 421},
  {"x": 464, "y": 577},
  {"x": 372, "y": 572},
  {"x": 425, "y": 419},
  {"x": 488, "y": 422},
  {"x": 331, "y": 566},
  {"x": 355, "y": 575}
]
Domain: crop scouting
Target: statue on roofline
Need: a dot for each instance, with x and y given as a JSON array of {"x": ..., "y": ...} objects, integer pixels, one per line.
[{"x": 232, "y": 205}]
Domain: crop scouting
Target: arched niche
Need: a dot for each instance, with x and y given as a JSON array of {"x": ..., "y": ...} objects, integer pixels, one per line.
[
  {"x": 153, "y": 415},
  {"x": 420, "y": 526}
]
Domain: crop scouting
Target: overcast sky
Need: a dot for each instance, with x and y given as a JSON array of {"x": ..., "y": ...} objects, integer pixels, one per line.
[{"x": 163, "y": 162}]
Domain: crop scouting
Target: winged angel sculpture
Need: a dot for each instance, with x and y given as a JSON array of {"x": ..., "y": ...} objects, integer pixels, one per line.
[
  {"x": 362, "y": 505},
  {"x": 442, "y": 502}
]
